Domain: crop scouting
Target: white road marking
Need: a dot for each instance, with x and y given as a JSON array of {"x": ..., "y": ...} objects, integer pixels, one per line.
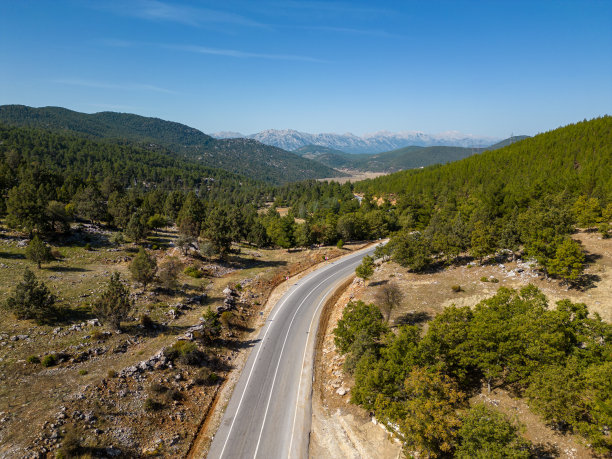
[
  {"x": 253, "y": 368},
  {"x": 317, "y": 272},
  {"x": 303, "y": 360},
  {"x": 263, "y": 423}
]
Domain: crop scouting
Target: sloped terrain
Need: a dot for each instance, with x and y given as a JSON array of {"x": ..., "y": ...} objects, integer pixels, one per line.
[{"x": 242, "y": 156}]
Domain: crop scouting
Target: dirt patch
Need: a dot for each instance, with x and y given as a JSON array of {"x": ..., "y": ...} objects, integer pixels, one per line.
[
  {"x": 340, "y": 429},
  {"x": 353, "y": 176}
]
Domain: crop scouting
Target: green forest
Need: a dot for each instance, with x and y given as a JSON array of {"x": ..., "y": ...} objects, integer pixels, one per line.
[
  {"x": 240, "y": 156},
  {"x": 522, "y": 200},
  {"x": 528, "y": 196}
]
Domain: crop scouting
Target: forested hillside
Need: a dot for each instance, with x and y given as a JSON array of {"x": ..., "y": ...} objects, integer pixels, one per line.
[
  {"x": 242, "y": 156},
  {"x": 528, "y": 195}
]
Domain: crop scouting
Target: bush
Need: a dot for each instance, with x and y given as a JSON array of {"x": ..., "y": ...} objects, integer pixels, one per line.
[
  {"x": 83, "y": 372},
  {"x": 117, "y": 238},
  {"x": 49, "y": 360},
  {"x": 99, "y": 335},
  {"x": 487, "y": 433},
  {"x": 111, "y": 374},
  {"x": 88, "y": 247},
  {"x": 185, "y": 352},
  {"x": 151, "y": 404},
  {"x": 192, "y": 271},
  {"x": 71, "y": 444},
  {"x": 340, "y": 244},
  {"x": 202, "y": 378},
  {"x": 494, "y": 280},
  {"x": 158, "y": 388},
  {"x": 456, "y": 288},
  {"x": 484, "y": 279},
  {"x": 33, "y": 359},
  {"x": 168, "y": 272},
  {"x": 173, "y": 395},
  {"x": 226, "y": 319}
]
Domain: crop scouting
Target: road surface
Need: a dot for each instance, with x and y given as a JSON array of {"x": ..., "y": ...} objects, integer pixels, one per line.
[{"x": 269, "y": 413}]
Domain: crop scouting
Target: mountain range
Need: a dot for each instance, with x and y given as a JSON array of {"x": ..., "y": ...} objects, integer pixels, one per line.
[
  {"x": 246, "y": 157},
  {"x": 291, "y": 140}
]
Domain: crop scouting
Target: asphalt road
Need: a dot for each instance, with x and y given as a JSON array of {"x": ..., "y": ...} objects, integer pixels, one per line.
[{"x": 269, "y": 413}]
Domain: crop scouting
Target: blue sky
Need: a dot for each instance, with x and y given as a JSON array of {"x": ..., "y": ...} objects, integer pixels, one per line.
[{"x": 482, "y": 67}]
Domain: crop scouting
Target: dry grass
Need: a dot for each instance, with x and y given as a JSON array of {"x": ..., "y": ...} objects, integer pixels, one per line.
[{"x": 77, "y": 280}]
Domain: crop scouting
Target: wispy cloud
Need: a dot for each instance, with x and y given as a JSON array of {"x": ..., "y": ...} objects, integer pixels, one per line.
[
  {"x": 236, "y": 53},
  {"x": 348, "y": 30},
  {"x": 106, "y": 85},
  {"x": 337, "y": 7},
  {"x": 156, "y": 10},
  {"x": 240, "y": 54}
]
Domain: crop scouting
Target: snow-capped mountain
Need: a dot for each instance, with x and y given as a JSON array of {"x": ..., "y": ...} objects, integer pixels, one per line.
[{"x": 289, "y": 139}]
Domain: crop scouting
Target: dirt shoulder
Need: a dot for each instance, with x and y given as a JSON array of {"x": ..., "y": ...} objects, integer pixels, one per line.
[
  {"x": 344, "y": 430},
  {"x": 212, "y": 421}
]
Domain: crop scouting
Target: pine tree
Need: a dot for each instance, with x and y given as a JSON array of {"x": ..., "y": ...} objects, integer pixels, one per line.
[
  {"x": 568, "y": 263},
  {"x": 366, "y": 268},
  {"x": 38, "y": 252},
  {"x": 114, "y": 305},
  {"x": 143, "y": 267},
  {"x": 31, "y": 299}
]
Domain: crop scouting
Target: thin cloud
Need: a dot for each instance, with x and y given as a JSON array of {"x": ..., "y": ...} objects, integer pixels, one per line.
[
  {"x": 156, "y": 10},
  {"x": 120, "y": 86},
  {"x": 348, "y": 30},
  {"x": 331, "y": 7},
  {"x": 210, "y": 51},
  {"x": 240, "y": 54}
]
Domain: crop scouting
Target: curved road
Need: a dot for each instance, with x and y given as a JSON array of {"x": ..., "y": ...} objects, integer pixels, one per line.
[{"x": 269, "y": 413}]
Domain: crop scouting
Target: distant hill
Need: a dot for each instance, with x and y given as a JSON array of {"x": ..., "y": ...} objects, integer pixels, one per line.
[
  {"x": 506, "y": 142},
  {"x": 573, "y": 159},
  {"x": 411, "y": 157},
  {"x": 242, "y": 156},
  {"x": 391, "y": 161},
  {"x": 378, "y": 142}
]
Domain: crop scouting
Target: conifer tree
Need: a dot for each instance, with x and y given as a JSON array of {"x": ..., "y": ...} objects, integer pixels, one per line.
[
  {"x": 143, "y": 267},
  {"x": 114, "y": 305},
  {"x": 31, "y": 299},
  {"x": 38, "y": 252}
]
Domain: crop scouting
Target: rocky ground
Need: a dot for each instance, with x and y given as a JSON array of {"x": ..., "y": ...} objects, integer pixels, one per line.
[
  {"x": 343, "y": 430},
  {"x": 121, "y": 394}
]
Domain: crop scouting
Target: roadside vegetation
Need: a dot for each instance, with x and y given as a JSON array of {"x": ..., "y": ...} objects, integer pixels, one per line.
[{"x": 418, "y": 383}]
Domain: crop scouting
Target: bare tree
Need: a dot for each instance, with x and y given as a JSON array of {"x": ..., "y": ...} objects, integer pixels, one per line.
[{"x": 388, "y": 297}]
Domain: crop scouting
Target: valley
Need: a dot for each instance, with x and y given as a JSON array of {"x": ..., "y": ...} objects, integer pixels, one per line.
[{"x": 137, "y": 281}]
